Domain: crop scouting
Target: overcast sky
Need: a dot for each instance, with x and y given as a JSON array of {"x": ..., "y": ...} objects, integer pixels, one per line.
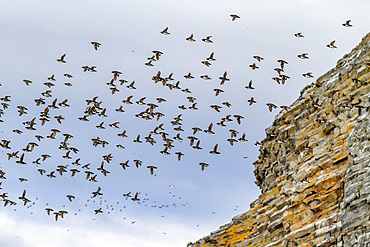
[{"x": 180, "y": 202}]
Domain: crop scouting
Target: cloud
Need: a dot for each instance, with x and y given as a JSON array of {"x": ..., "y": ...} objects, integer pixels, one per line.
[{"x": 99, "y": 232}]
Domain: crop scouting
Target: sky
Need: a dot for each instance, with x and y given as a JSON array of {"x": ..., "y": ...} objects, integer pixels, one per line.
[{"x": 179, "y": 203}]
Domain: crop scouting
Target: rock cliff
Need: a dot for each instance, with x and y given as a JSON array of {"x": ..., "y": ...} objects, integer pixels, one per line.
[{"x": 313, "y": 168}]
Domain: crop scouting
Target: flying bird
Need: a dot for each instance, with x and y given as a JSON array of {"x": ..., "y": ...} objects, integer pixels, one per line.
[
  {"x": 165, "y": 31},
  {"x": 298, "y": 35},
  {"x": 249, "y": 86},
  {"x": 303, "y": 56},
  {"x": 234, "y": 17},
  {"x": 271, "y": 106},
  {"x": 95, "y": 44},
  {"x": 347, "y": 24},
  {"x": 331, "y": 44},
  {"x": 251, "y": 101},
  {"x": 190, "y": 38},
  {"x": 208, "y": 39},
  {"x": 203, "y": 165},
  {"x": 61, "y": 59},
  {"x": 214, "y": 151},
  {"x": 258, "y": 58}
]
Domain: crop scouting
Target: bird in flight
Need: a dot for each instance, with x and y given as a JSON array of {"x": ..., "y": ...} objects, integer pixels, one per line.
[
  {"x": 165, "y": 31},
  {"x": 191, "y": 38},
  {"x": 214, "y": 151},
  {"x": 331, "y": 44},
  {"x": 208, "y": 39},
  {"x": 249, "y": 86},
  {"x": 234, "y": 17},
  {"x": 95, "y": 44},
  {"x": 251, "y": 101},
  {"x": 298, "y": 35},
  {"x": 347, "y": 24},
  {"x": 61, "y": 59},
  {"x": 203, "y": 165},
  {"x": 303, "y": 56}
]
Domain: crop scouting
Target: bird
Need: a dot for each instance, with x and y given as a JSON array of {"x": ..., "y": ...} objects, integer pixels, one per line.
[
  {"x": 253, "y": 66},
  {"x": 207, "y": 39},
  {"x": 203, "y": 165},
  {"x": 205, "y": 77},
  {"x": 28, "y": 82},
  {"x": 23, "y": 198},
  {"x": 138, "y": 163},
  {"x": 223, "y": 78},
  {"x": 97, "y": 193},
  {"x": 193, "y": 107},
  {"x": 206, "y": 63},
  {"x": 21, "y": 161},
  {"x": 179, "y": 154},
  {"x": 271, "y": 106},
  {"x": 258, "y": 144},
  {"x": 279, "y": 70},
  {"x": 165, "y": 31},
  {"x": 216, "y": 107},
  {"x": 135, "y": 198},
  {"x": 211, "y": 57},
  {"x": 303, "y": 56},
  {"x": 249, "y": 86},
  {"x": 331, "y": 44},
  {"x": 70, "y": 198},
  {"x": 51, "y": 174},
  {"x": 238, "y": 118},
  {"x": 277, "y": 79},
  {"x": 127, "y": 101},
  {"x": 347, "y": 24},
  {"x": 189, "y": 76},
  {"x": 51, "y": 78},
  {"x": 298, "y": 35},
  {"x": 149, "y": 64},
  {"x": 243, "y": 138},
  {"x": 251, "y": 101},
  {"x": 197, "y": 145},
  {"x": 234, "y": 17},
  {"x": 284, "y": 107},
  {"x": 209, "y": 129},
  {"x": 95, "y": 44},
  {"x": 214, "y": 151},
  {"x": 97, "y": 211},
  {"x": 124, "y": 165},
  {"x": 151, "y": 168},
  {"x": 233, "y": 133},
  {"x": 131, "y": 86},
  {"x": 191, "y": 38},
  {"x": 114, "y": 125},
  {"x": 307, "y": 75},
  {"x": 258, "y": 58},
  {"x": 61, "y": 59},
  {"x": 231, "y": 141},
  {"x": 218, "y": 91},
  {"x": 282, "y": 63},
  {"x": 157, "y": 54},
  {"x": 137, "y": 140}
]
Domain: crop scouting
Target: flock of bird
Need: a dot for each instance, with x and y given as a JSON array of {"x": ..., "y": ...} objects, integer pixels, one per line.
[{"x": 95, "y": 109}]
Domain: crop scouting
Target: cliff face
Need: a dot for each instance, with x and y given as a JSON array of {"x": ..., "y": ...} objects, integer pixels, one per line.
[{"x": 314, "y": 167}]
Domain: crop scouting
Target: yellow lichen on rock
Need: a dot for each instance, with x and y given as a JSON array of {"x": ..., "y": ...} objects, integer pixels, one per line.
[{"x": 312, "y": 167}]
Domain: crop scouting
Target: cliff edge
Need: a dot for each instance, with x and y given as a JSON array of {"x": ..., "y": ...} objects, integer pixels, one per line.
[{"x": 313, "y": 168}]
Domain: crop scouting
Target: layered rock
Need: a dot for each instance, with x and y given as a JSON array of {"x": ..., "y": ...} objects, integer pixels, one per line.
[{"x": 313, "y": 168}]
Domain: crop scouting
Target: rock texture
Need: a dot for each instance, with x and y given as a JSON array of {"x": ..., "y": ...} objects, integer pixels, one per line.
[{"x": 313, "y": 168}]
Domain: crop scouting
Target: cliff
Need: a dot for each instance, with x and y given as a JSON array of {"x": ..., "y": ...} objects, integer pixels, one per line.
[{"x": 313, "y": 168}]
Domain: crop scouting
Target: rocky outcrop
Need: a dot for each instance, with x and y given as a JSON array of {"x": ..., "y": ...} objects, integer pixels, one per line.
[{"x": 313, "y": 168}]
